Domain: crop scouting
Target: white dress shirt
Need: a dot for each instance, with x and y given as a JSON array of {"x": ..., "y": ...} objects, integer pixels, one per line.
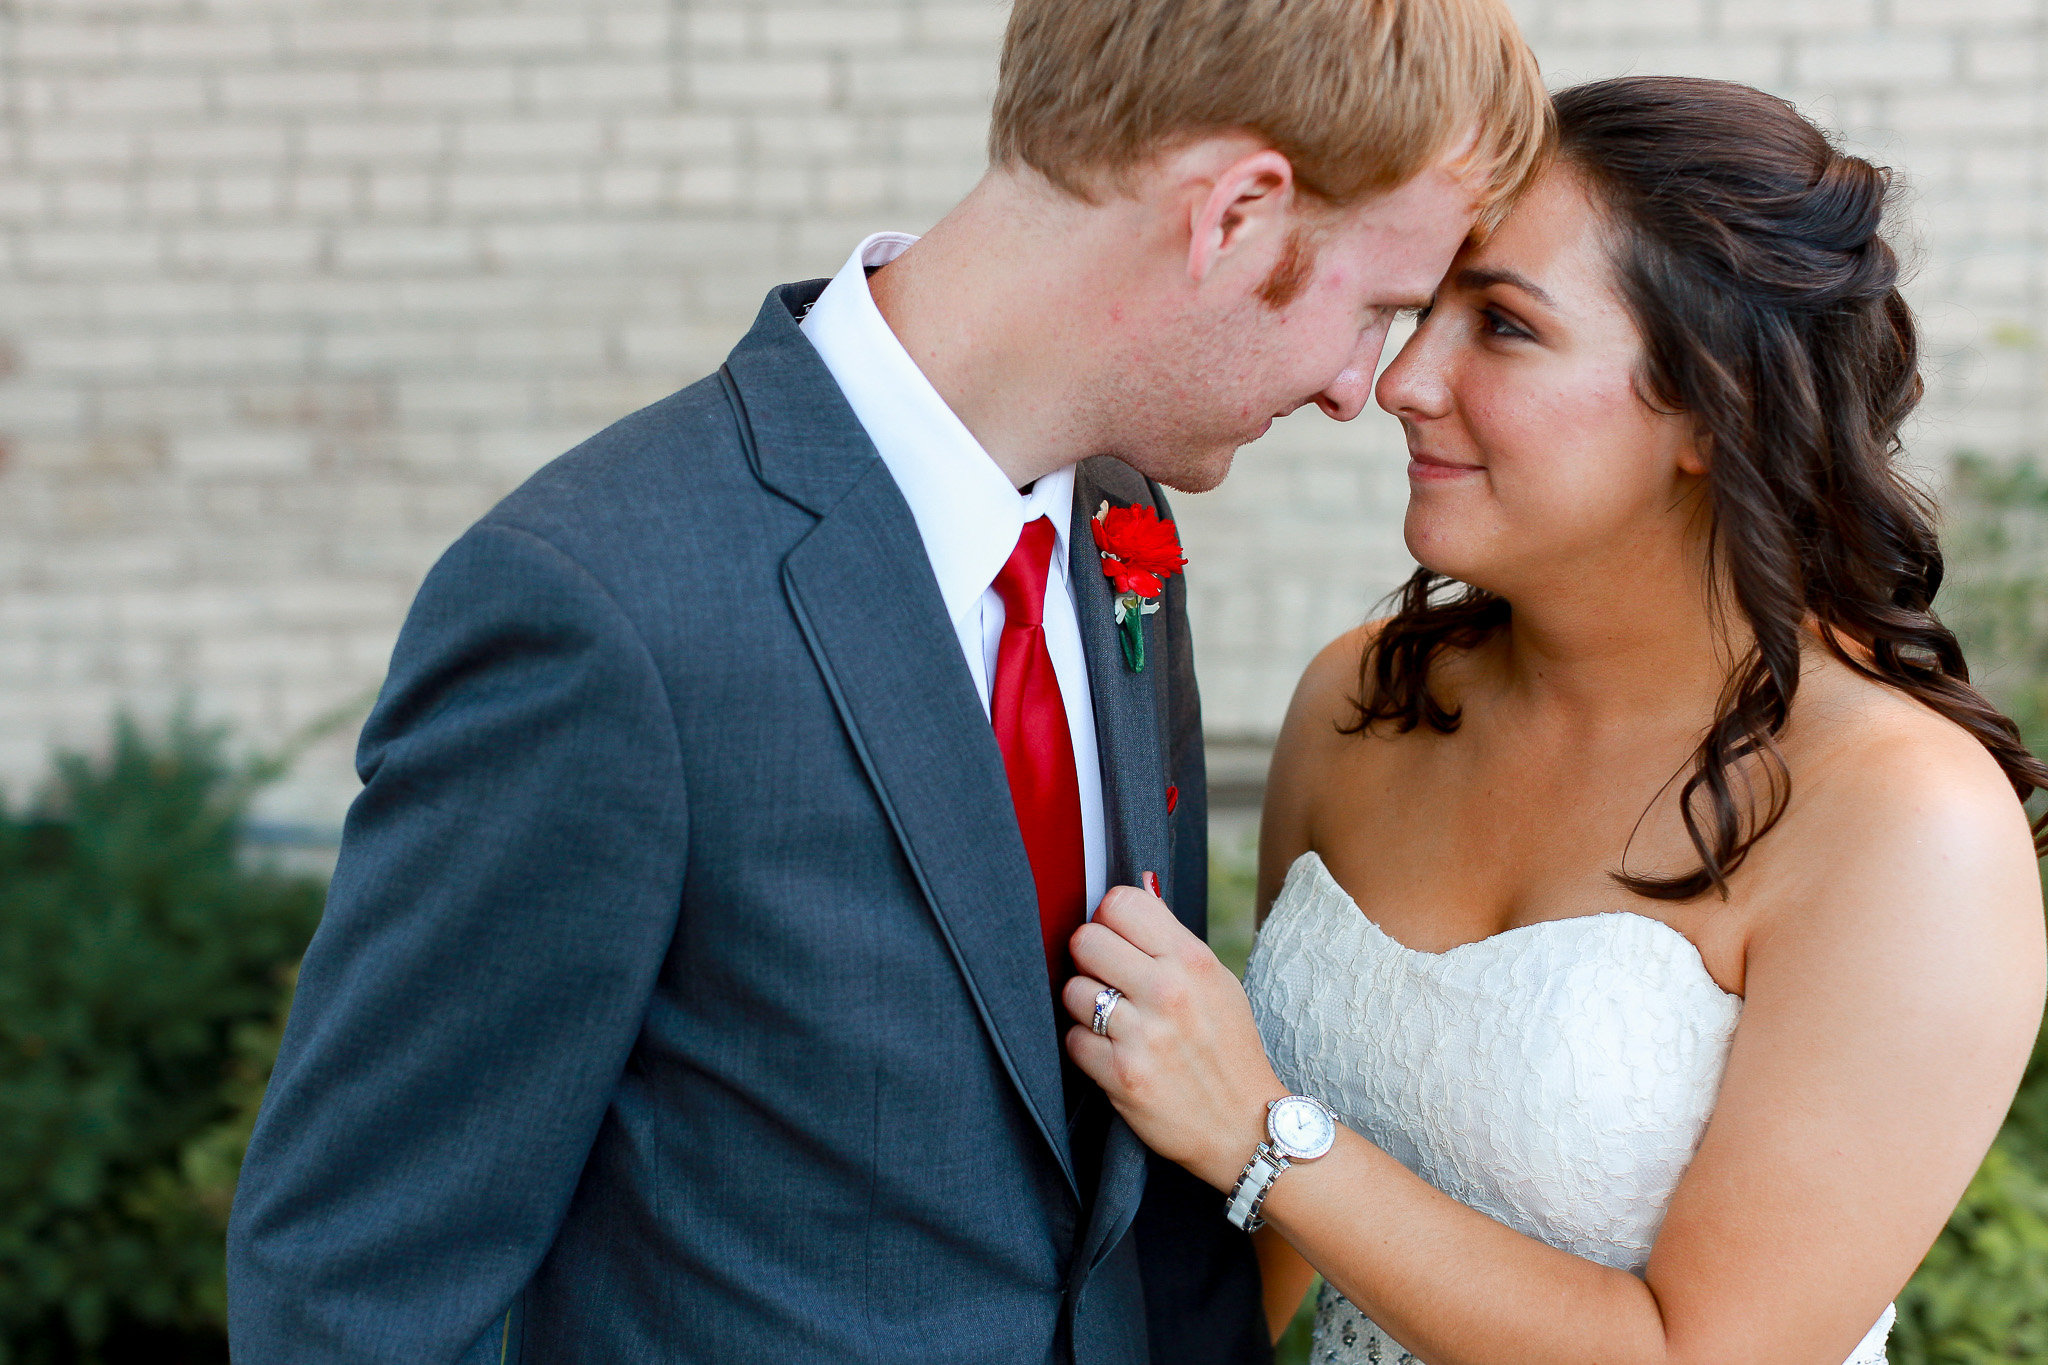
[{"x": 967, "y": 512}]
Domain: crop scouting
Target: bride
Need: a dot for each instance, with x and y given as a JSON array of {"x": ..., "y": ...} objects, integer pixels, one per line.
[{"x": 1649, "y": 897}]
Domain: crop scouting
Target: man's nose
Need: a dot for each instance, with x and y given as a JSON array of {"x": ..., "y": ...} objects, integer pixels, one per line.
[
  {"x": 1347, "y": 394},
  {"x": 1345, "y": 398}
]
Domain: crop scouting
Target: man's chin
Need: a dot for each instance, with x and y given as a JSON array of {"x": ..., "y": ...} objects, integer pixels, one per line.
[{"x": 1184, "y": 475}]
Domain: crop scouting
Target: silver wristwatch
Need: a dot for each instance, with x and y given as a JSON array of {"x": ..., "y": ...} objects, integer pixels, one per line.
[{"x": 1297, "y": 1129}]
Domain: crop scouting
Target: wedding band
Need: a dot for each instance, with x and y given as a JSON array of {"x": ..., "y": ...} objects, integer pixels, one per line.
[{"x": 1105, "y": 1002}]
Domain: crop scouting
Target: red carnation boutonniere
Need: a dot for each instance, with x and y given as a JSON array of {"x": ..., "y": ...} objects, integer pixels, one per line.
[{"x": 1139, "y": 553}]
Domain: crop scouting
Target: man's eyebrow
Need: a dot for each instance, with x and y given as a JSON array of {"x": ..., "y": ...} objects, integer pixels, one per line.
[{"x": 1476, "y": 278}]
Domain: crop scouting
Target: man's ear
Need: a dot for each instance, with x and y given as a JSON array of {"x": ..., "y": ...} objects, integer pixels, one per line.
[{"x": 1248, "y": 202}]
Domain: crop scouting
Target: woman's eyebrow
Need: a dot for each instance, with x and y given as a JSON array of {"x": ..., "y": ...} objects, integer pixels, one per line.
[{"x": 1479, "y": 277}]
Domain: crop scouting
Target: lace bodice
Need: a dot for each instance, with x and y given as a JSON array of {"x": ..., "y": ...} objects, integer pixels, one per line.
[{"x": 1556, "y": 1077}]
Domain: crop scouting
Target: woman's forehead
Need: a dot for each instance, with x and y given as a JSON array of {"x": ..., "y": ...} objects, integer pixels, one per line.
[{"x": 1556, "y": 245}]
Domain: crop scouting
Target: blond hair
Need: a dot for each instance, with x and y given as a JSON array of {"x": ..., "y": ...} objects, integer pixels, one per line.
[{"x": 1359, "y": 95}]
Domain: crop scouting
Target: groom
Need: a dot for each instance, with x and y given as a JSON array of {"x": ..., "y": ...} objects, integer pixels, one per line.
[{"x": 685, "y": 988}]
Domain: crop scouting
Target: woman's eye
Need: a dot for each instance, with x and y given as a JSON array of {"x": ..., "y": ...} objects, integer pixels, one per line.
[
  {"x": 1416, "y": 315},
  {"x": 1497, "y": 324}
]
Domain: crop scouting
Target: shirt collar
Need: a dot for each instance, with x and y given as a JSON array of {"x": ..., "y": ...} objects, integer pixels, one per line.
[{"x": 967, "y": 512}]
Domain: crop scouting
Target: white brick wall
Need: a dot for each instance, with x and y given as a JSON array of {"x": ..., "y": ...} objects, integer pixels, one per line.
[{"x": 292, "y": 291}]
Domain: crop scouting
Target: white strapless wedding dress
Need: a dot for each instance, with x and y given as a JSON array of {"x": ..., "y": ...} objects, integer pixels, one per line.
[{"x": 1556, "y": 1077}]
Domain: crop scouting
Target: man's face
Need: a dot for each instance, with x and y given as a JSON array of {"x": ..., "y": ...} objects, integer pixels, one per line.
[{"x": 1219, "y": 363}]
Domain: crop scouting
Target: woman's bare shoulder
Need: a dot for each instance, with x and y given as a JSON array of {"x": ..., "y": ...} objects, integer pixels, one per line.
[
  {"x": 1319, "y": 737},
  {"x": 1899, "y": 812},
  {"x": 1326, "y": 699},
  {"x": 1871, "y": 750}
]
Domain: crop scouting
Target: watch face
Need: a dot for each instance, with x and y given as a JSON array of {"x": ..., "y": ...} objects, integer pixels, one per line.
[{"x": 1301, "y": 1128}]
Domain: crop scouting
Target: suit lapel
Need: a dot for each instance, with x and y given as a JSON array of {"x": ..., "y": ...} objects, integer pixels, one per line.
[
  {"x": 869, "y": 608},
  {"x": 1127, "y": 704},
  {"x": 1127, "y": 707}
]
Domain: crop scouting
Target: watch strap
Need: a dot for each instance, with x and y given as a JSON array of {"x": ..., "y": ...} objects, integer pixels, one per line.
[{"x": 1250, "y": 1191}]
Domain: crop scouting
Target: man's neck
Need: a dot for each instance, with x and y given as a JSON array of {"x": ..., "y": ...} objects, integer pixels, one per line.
[{"x": 1000, "y": 319}]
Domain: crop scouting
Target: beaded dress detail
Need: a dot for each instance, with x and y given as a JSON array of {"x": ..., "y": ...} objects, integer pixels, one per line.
[{"x": 1556, "y": 1077}]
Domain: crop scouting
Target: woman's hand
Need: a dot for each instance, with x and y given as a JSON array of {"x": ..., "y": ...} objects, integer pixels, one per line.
[{"x": 1183, "y": 1062}]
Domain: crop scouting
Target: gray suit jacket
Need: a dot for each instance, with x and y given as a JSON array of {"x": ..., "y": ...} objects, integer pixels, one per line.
[{"x": 679, "y": 996}]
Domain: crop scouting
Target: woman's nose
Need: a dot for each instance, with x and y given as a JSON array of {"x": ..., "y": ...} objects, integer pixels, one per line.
[{"x": 1416, "y": 386}]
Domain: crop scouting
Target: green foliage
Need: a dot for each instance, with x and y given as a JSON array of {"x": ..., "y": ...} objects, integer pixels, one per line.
[
  {"x": 1982, "y": 1294},
  {"x": 1996, "y": 598},
  {"x": 1299, "y": 1338},
  {"x": 1233, "y": 887},
  {"x": 142, "y": 971}
]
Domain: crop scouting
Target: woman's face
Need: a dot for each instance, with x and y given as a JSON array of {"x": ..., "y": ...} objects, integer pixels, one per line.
[{"x": 1533, "y": 458}]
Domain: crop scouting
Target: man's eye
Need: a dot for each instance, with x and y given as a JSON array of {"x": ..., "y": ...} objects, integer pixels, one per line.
[{"x": 1417, "y": 315}]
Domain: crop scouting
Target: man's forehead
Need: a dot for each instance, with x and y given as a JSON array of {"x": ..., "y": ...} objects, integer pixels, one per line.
[
  {"x": 1403, "y": 249},
  {"x": 1434, "y": 208}
]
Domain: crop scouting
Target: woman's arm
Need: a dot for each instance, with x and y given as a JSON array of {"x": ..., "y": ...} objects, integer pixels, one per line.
[
  {"x": 1286, "y": 1277},
  {"x": 1890, "y": 1010}
]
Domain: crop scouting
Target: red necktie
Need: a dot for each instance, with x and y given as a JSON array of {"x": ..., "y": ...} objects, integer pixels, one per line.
[{"x": 1038, "y": 751}]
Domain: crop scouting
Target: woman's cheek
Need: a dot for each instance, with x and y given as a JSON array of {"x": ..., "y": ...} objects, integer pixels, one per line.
[{"x": 1562, "y": 498}]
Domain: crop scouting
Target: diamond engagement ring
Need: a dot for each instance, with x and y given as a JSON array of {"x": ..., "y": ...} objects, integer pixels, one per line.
[{"x": 1105, "y": 1002}]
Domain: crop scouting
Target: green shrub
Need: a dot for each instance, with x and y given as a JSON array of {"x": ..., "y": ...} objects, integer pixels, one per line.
[
  {"x": 1298, "y": 1340},
  {"x": 1233, "y": 887},
  {"x": 142, "y": 970},
  {"x": 1982, "y": 1293},
  {"x": 1996, "y": 599}
]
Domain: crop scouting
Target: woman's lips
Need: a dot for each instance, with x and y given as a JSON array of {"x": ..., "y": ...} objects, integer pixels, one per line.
[{"x": 1433, "y": 469}]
